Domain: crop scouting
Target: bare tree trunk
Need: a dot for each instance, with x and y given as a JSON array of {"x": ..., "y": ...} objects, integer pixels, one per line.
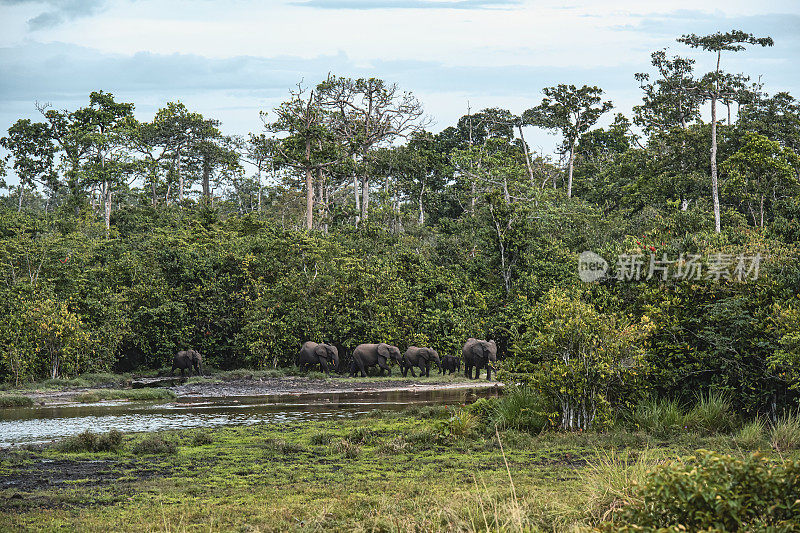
[
  {"x": 355, "y": 191},
  {"x": 571, "y": 163},
  {"x": 714, "y": 180},
  {"x": 728, "y": 104},
  {"x": 527, "y": 156},
  {"x": 421, "y": 211},
  {"x": 180, "y": 177},
  {"x": 153, "y": 179},
  {"x": 309, "y": 188},
  {"x": 365, "y": 190},
  {"x": 762, "y": 210},
  {"x": 207, "y": 178}
]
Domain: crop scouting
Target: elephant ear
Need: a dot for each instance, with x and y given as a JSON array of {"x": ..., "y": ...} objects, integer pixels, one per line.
[
  {"x": 320, "y": 351},
  {"x": 383, "y": 350},
  {"x": 426, "y": 353}
]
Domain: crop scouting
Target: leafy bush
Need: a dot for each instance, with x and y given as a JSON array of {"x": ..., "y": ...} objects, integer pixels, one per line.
[
  {"x": 712, "y": 491},
  {"x": 521, "y": 409},
  {"x": 154, "y": 445},
  {"x": 711, "y": 414},
  {"x": 785, "y": 432},
  {"x": 92, "y": 442},
  {"x": 751, "y": 435},
  {"x": 15, "y": 400},
  {"x": 483, "y": 408}
]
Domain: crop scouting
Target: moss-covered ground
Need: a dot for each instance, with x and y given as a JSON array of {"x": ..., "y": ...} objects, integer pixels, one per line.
[{"x": 409, "y": 471}]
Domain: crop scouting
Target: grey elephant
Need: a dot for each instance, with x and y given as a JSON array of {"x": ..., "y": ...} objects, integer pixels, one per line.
[
  {"x": 186, "y": 360},
  {"x": 326, "y": 355},
  {"x": 367, "y": 355},
  {"x": 479, "y": 354},
  {"x": 421, "y": 358},
  {"x": 450, "y": 364}
]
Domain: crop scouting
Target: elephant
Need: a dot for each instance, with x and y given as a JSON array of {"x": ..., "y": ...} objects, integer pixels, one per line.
[
  {"x": 421, "y": 358},
  {"x": 479, "y": 354},
  {"x": 367, "y": 355},
  {"x": 450, "y": 364},
  {"x": 312, "y": 353},
  {"x": 186, "y": 360}
]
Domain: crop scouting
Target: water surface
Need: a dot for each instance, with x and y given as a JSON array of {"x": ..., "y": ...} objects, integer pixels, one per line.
[{"x": 42, "y": 424}]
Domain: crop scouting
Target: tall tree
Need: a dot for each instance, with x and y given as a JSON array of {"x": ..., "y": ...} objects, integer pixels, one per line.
[
  {"x": 369, "y": 112},
  {"x": 571, "y": 111},
  {"x": 309, "y": 143},
  {"x": 670, "y": 100},
  {"x": 713, "y": 86},
  {"x": 30, "y": 145},
  {"x": 110, "y": 124}
]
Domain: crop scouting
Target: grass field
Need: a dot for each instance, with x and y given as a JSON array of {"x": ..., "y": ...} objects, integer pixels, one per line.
[{"x": 424, "y": 469}]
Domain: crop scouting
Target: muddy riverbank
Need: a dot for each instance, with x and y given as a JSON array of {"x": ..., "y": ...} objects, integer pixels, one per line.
[{"x": 213, "y": 387}]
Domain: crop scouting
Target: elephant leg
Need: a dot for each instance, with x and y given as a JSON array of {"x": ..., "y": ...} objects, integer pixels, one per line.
[
  {"x": 468, "y": 371},
  {"x": 362, "y": 368},
  {"x": 324, "y": 366},
  {"x": 383, "y": 366},
  {"x": 413, "y": 375},
  {"x": 488, "y": 373}
]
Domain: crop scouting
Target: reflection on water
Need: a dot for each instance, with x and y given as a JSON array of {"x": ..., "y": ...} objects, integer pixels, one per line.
[{"x": 41, "y": 424}]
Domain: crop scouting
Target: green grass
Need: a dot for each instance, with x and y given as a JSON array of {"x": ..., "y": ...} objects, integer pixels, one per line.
[
  {"x": 97, "y": 395},
  {"x": 785, "y": 432},
  {"x": 14, "y": 400},
  {"x": 398, "y": 473}
]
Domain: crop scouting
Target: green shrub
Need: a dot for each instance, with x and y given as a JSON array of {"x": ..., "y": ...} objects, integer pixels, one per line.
[
  {"x": 349, "y": 449},
  {"x": 283, "y": 446},
  {"x": 785, "y": 432},
  {"x": 201, "y": 438},
  {"x": 461, "y": 424},
  {"x": 711, "y": 414},
  {"x": 659, "y": 417},
  {"x": 154, "y": 445},
  {"x": 751, "y": 435},
  {"x": 321, "y": 438},
  {"x": 712, "y": 491},
  {"x": 362, "y": 435},
  {"x": 522, "y": 409},
  {"x": 125, "y": 394},
  {"x": 15, "y": 400},
  {"x": 483, "y": 408},
  {"x": 92, "y": 442}
]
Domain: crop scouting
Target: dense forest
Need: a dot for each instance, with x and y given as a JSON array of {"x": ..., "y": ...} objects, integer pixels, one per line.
[{"x": 346, "y": 220}]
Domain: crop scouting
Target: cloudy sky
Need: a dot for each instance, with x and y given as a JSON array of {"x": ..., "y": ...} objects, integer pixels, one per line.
[{"x": 228, "y": 60}]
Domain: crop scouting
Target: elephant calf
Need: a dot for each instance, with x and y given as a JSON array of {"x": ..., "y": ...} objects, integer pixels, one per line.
[
  {"x": 479, "y": 354},
  {"x": 325, "y": 355},
  {"x": 367, "y": 355},
  {"x": 186, "y": 360},
  {"x": 421, "y": 358},
  {"x": 450, "y": 364}
]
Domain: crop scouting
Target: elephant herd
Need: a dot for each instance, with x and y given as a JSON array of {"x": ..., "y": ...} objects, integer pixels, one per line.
[{"x": 476, "y": 354}]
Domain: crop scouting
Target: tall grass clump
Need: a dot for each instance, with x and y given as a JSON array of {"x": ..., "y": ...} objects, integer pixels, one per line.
[
  {"x": 92, "y": 442},
  {"x": 660, "y": 417},
  {"x": 785, "y": 432},
  {"x": 154, "y": 445},
  {"x": 751, "y": 434},
  {"x": 611, "y": 479},
  {"x": 462, "y": 423},
  {"x": 711, "y": 414},
  {"x": 15, "y": 400},
  {"x": 521, "y": 409}
]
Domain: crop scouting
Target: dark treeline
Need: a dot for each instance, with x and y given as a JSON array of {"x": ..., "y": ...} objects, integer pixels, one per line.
[{"x": 345, "y": 221}]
